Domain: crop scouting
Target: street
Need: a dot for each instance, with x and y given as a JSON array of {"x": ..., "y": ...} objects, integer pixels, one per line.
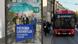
[
  {"x": 61, "y": 39},
  {"x": 57, "y": 39}
]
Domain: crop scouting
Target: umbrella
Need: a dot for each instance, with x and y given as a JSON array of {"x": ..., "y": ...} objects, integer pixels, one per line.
[{"x": 21, "y": 7}]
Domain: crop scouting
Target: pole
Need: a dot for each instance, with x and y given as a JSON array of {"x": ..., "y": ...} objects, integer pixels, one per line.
[
  {"x": 41, "y": 21},
  {"x": 53, "y": 6},
  {"x": 52, "y": 2},
  {"x": 6, "y": 9}
]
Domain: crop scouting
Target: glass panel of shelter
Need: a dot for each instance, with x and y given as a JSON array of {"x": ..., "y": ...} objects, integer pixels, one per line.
[{"x": 16, "y": 17}]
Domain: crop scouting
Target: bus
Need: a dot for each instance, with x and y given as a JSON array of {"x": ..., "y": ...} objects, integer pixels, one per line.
[{"x": 64, "y": 22}]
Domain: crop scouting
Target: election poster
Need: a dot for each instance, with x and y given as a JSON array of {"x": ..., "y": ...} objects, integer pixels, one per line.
[
  {"x": 24, "y": 32},
  {"x": 22, "y": 18}
]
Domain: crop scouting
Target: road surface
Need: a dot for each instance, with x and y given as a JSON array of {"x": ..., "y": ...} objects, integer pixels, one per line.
[{"x": 61, "y": 40}]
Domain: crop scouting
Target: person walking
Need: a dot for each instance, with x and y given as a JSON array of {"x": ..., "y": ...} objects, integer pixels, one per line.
[
  {"x": 47, "y": 28},
  {"x": 44, "y": 27}
]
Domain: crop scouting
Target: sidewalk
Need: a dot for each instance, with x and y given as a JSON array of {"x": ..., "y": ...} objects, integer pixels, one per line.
[
  {"x": 2, "y": 40},
  {"x": 36, "y": 42},
  {"x": 47, "y": 39}
]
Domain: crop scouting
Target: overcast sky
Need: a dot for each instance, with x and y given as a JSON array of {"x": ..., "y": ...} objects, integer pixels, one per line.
[{"x": 69, "y": 4}]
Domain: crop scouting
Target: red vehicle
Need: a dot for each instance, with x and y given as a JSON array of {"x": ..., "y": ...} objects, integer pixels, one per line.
[{"x": 64, "y": 23}]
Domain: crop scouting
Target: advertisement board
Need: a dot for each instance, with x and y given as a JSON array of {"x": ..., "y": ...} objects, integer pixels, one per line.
[
  {"x": 20, "y": 17},
  {"x": 24, "y": 32}
]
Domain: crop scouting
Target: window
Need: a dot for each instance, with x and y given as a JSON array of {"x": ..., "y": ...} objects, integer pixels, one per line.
[
  {"x": 14, "y": 0},
  {"x": 64, "y": 22},
  {"x": 19, "y": 0}
]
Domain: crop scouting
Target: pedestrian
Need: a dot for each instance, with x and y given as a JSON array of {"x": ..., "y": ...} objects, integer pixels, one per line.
[
  {"x": 25, "y": 19},
  {"x": 48, "y": 27},
  {"x": 15, "y": 19},
  {"x": 34, "y": 21},
  {"x": 44, "y": 25},
  {"x": 21, "y": 19},
  {"x": 45, "y": 28}
]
